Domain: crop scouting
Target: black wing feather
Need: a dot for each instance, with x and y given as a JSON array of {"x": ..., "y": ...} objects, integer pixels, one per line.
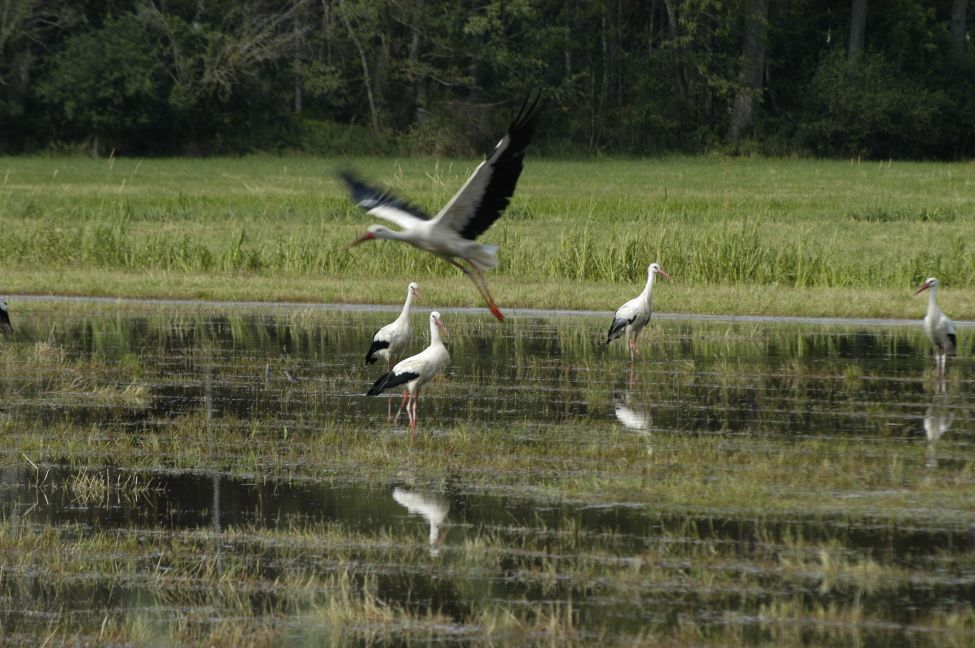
[
  {"x": 505, "y": 170},
  {"x": 391, "y": 379},
  {"x": 5, "y": 327},
  {"x": 952, "y": 343},
  {"x": 377, "y": 345},
  {"x": 616, "y": 329},
  {"x": 369, "y": 197}
]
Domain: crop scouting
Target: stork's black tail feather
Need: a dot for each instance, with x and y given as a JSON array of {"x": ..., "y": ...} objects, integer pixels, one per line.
[
  {"x": 391, "y": 379},
  {"x": 377, "y": 345},
  {"x": 615, "y": 329}
]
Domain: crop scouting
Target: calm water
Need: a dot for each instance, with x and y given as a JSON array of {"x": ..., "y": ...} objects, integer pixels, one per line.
[{"x": 746, "y": 382}]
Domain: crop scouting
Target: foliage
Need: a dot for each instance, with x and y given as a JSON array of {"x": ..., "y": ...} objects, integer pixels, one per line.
[
  {"x": 864, "y": 107},
  {"x": 431, "y": 76}
]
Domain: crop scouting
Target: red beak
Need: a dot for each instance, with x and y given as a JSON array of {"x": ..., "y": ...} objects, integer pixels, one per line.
[
  {"x": 442, "y": 327},
  {"x": 362, "y": 239},
  {"x": 665, "y": 275},
  {"x": 923, "y": 287}
]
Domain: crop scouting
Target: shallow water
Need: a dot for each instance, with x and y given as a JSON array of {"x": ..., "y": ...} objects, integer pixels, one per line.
[{"x": 749, "y": 383}]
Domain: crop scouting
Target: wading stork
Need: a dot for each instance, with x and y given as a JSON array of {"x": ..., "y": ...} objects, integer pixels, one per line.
[
  {"x": 940, "y": 329},
  {"x": 416, "y": 371},
  {"x": 474, "y": 208},
  {"x": 632, "y": 316},
  {"x": 5, "y": 327},
  {"x": 390, "y": 341}
]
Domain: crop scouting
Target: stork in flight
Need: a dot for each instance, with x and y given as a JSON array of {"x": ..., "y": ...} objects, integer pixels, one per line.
[
  {"x": 390, "y": 341},
  {"x": 416, "y": 371},
  {"x": 5, "y": 327},
  {"x": 632, "y": 316},
  {"x": 940, "y": 329},
  {"x": 480, "y": 201}
]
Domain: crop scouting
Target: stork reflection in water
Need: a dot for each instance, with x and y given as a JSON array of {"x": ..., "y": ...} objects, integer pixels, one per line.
[
  {"x": 937, "y": 421},
  {"x": 430, "y": 506}
]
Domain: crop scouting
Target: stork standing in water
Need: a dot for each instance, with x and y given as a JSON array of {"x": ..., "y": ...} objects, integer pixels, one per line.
[
  {"x": 632, "y": 316},
  {"x": 416, "y": 371},
  {"x": 390, "y": 341},
  {"x": 940, "y": 329},
  {"x": 5, "y": 327},
  {"x": 474, "y": 208}
]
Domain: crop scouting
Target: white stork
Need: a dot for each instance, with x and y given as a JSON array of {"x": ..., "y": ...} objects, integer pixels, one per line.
[
  {"x": 632, "y": 316},
  {"x": 5, "y": 327},
  {"x": 940, "y": 329},
  {"x": 416, "y": 371},
  {"x": 474, "y": 208},
  {"x": 433, "y": 508},
  {"x": 390, "y": 341}
]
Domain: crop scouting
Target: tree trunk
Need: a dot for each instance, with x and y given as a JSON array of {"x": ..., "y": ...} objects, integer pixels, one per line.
[
  {"x": 366, "y": 77},
  {"x": 420, "y": 98},
  {"x": 676, "y": 52},
  {"x": 299, "y": 98},
  {"x": 959, "y": 8},
  {"x": 858, "y": 27},
  {"x": 752, "y": 68}
]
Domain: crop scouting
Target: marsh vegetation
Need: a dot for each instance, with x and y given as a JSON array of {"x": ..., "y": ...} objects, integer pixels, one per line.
[{"x": 179, "y": 474}]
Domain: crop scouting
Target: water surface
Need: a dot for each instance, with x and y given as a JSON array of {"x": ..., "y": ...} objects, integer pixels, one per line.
[{"x": 144, "y": 371}]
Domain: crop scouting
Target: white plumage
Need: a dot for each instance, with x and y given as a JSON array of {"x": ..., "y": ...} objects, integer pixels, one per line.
[
  {"x": 391, "y": 341},
  {"x": 634, "y": 419},
  {"x": 635, "y": 314},
  {"x": 416, "y": 371},
  {"x": 474, "y": 208},
  {"x": 433, "y": 508},
  {"x": 937, "y": 421},
  {"x": 938, "y": 327}
]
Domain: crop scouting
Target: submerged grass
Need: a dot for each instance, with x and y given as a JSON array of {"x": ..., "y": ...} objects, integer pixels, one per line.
[
  {"x": 757, "y": 236},
  {"x": 761, "y": 515}
]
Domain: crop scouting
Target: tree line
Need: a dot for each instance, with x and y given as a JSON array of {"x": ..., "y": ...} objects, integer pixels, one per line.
[{"x": 888, "y": 78}]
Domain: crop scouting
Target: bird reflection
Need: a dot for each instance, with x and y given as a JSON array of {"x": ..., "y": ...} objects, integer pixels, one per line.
[
  {"x": 432, "y": 507},
  {"x": 937, "y": 419},
  {"x": 633, "y": 418}
]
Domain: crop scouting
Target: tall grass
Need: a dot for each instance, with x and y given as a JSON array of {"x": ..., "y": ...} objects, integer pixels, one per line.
[
  {"x": 733, "y": 253},
  {"x": 774, "y": 223}
]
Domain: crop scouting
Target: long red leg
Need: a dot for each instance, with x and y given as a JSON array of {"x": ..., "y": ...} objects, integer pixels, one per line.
[
  {"x": 483, "y": 287},
  {"x": 484, "y": 295},
  {"x": 405, "y": 401}
]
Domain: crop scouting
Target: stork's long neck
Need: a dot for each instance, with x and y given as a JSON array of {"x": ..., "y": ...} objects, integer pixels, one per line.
[
  {"x": 932, "y": 300},
  {"x": 646, "y": 294},
  {"x": 407, "y": 306},
  {"x": 435, "y": 334},
  {"x": 393, "y": 235}
]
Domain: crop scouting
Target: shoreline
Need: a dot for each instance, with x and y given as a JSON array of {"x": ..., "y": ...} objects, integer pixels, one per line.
[{"x": 509, "y": 312}]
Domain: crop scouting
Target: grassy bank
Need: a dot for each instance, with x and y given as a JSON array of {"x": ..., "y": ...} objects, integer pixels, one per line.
[{"x": 739, "y": 236}]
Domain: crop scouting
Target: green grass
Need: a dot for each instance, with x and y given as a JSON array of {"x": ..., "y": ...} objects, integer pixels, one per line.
[{"x": 784, "y": 237}]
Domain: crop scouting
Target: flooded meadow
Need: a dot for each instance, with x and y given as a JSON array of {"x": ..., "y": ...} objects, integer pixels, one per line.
[{"x": 213, "y": 474}]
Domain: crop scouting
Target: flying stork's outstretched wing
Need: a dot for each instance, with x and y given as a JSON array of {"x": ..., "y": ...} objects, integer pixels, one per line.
[
  {"x": 381, "y": 203},
  {"x": 487, "y": 192}
]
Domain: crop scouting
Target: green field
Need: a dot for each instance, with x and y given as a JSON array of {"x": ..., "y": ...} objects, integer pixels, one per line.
[{"x": 759, "y": 236}]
